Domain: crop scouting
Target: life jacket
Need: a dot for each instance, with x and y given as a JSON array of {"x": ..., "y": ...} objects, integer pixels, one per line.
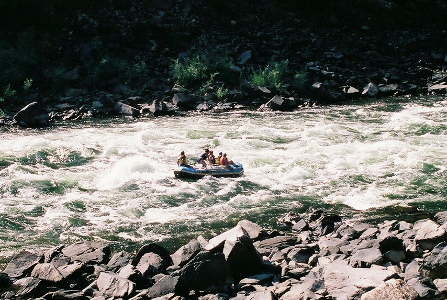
[
  {"x": 217, "y": 160},
  {"x": 181, "y": 160}
]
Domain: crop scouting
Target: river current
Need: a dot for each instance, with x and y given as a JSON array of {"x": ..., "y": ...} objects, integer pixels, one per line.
[{"x": 112, "y": 181}]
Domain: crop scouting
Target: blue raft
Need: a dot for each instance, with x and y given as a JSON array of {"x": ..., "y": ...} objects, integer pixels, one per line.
[{"x": 191, "y": 172}]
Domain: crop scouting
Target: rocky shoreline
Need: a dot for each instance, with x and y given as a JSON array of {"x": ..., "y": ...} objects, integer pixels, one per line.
[{"x": 322, "y": 256}]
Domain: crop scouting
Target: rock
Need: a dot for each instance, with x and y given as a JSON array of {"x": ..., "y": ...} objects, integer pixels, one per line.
[
  {"x": 160, "y": 108},
  {"x": 48, "y": 272},
  {"x": 280, "y": 103},
  {"x": 119, "y": 260},
  {"x": 440, "y": 88},
  {"x": 366, "y": 257},
  {"x": 125, "y": 109},
  {"x": 370, "y": 90},
  {"x": 300, "y": 254},
  {"x": 299, "y": 226},
  {"x": 244, "y": 57},
  {"x": 242, "y": 257},
  {"x": 22, "y": 264},
  {"x": 394, "y": 257},
  {"x": 434, "y": 264},
  {"x": 132, "y": 273},
  {"x": 186, "y": 253},
  {"x": 272, "y": 244},
  {"x": 391, "y": 243},
  {"x": 183, "y": 101},
  {"x": 165, "y": 286},
  {"x": 388, "y": 89},
  {"x": 393, "y": 289},
  {"x": 351, "y": 92},
  {"x": 151, "y": 264},
  {"x": 152, "y": 259},
  {"x": 32, "y": 115},
  {"x": 425, "y": 288},
  {"x": 344, "y": 282},
  {"x": 113, "y": 285},
  {"x": 253, "y": 230},
  {"x": 233, "y": 235},
  {"x": 441, "y": 285},
  {"x": 441, "y": 218},
  {"x": 66, "y": 295},
  {"x": 29, "y": 287},
  {"x": 87, "y": 252},
  {"x": 262, "y": 295},
  {"x": 428, "y": 234},
  {"x": 205, "y": 272}
]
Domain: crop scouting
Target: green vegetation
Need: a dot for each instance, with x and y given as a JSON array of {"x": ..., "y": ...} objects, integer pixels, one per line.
[
  {"x": 271, "y": 76},
  {"x": 201, "y": 75}
]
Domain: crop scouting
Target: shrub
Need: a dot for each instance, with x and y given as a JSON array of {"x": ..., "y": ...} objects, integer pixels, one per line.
[
  {"x": 271, "y": 76},
  {"x": 300, "y": 79},
  {"x": 191, "y": 71}
]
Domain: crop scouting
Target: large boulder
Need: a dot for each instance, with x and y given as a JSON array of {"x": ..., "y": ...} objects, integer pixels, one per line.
[
  {"x": 242, "y": 257},
  {"x": 32, "y": 115},
  {"x": 186, "y": 253},
  {"x": 434, "y": 264},
  {"x": 205, "y": 272},
  {"x": 113, "y": 285},
  {"x": 87, "y": 252},
  {"x": 22, "y": 264},
  {"x": 152, "y": 259},
  {"x": 428, "y": 234},
  {"x": 160, "y": 108}
]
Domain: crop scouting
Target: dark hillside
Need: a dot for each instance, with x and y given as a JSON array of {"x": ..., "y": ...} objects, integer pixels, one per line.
[{"x": 57, "y": 49}]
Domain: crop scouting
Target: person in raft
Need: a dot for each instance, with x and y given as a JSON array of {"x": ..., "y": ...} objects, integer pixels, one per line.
[
  {"x": 218, "y": 158},
  {"x": 211, "y": 158},
  {"x": 225, "y": 162},
  {"x": 182, "y": 161},
  {"x": 203, "y": 158}
]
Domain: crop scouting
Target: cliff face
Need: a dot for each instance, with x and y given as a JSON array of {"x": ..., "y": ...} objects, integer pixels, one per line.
[{"x": 128, "y": 46}]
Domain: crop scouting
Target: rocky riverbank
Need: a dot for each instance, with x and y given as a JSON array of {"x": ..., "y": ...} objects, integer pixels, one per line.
[
  {"x": 154, "y": 58},
  {"x": 322, "y": 256}
]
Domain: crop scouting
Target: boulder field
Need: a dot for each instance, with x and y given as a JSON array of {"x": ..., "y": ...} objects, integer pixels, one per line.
[{"x": 322, "y": 256}]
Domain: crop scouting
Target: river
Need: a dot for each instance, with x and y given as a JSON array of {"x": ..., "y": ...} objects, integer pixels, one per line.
[{"x": 112, "y": 180}]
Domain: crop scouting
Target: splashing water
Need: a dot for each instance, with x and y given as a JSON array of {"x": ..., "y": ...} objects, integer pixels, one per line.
[{"x": 114, "y": 182}]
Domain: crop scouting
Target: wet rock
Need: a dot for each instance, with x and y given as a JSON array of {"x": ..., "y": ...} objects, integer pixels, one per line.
[
  {"x": 388, "y": 89},
  {"x": 113, "y": 285},
  {"x": 32, "y": 115},
  {"x": 22, "y": 264},
  {"x": 370, "y": 90},
  {"x": 183, "y": 101},
  {"x": 160, "y": 108},
  {"x": 440, "y": 88},
  {"x": 126, "y": 110},
  {"x": 87, "y": 252}
]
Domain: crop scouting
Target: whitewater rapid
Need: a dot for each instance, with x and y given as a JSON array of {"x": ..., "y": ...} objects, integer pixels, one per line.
[{"x": 113, "y": 180}]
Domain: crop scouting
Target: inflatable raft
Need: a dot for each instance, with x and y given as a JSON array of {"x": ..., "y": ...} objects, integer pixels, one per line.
[{"x": 192, "y": 172}]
